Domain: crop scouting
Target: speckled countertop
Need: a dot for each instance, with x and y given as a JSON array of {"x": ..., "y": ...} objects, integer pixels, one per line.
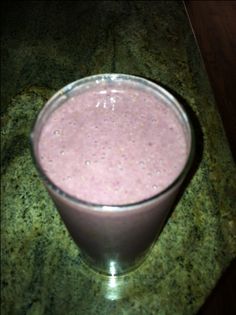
[{"x": 47, "y": 44}]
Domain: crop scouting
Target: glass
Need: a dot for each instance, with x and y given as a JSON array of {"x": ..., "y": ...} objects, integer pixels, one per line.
[{"x": 113, "y": 239}]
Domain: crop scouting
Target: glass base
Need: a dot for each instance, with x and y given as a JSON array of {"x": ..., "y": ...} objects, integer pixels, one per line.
[
  {"x": 112, "y": 267},
  {"x": 111, "y": 287}
]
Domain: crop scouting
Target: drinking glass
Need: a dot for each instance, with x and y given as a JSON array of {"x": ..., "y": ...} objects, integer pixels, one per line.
[{"x": 113, "y": 239}]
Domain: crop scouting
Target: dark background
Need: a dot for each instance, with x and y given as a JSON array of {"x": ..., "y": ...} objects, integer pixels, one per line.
[{"x": 214, "y": 25}]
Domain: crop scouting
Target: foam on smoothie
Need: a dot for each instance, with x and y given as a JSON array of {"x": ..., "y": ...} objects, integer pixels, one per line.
[{"x": 113, "y": 145}]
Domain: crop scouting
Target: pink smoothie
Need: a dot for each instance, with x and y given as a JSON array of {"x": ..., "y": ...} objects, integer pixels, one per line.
[{"x": 113, "y": 145}]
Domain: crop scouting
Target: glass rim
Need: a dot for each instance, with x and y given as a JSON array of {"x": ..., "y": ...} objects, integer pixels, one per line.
[{"x": 110, "y": 207}]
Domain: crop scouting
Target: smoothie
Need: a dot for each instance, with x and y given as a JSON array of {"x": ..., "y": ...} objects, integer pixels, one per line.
[{"x": 113, "y": 145}]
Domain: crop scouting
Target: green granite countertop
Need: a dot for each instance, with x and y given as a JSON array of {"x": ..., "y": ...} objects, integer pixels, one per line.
[{"x": 47, "y": 44}]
